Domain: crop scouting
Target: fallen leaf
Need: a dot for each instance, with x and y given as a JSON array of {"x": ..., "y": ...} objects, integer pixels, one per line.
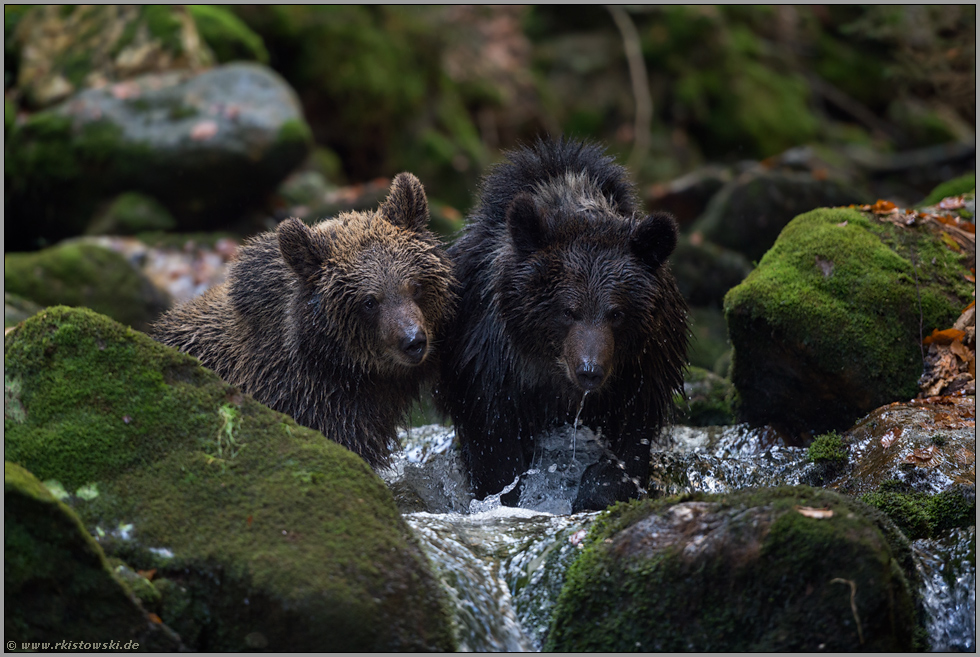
[
  {"x": 961, "y": 350},
  {"x": 156, "y": 619},
  {"x": 825, "y": 266},
  {"x": 921, "y": 456},
  {"x": 965, "y": 456},
  {"x": 148, "y": 574},
  {"x": 951, "y": 243},
  {"x": 952, "y": 203},
  {"x": 248, "y": 520},
  {"x": 884, "y": 207},
  {"x": 843, "y": 223},
  {"x": 944, "y": 337},
  {"x": 890, "y": 437},
  {"x": 811, "y": 512}
]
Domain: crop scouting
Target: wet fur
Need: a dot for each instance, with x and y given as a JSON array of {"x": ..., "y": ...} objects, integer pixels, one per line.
[
  {"x": 290, "y": 326},
  {"x": 557, "y": 259}
]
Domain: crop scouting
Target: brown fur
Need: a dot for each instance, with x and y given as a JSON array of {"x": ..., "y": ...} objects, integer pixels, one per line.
[{"x": 332, "y": 324}]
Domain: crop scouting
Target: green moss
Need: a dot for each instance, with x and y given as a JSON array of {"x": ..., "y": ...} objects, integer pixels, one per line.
[
  {"x": 760, "y": 590},
  {"x": 226, "y": 34},
  {"x": 707, "y": 399},
  {"x": 298, "y": 525},
  {"x": 295, "y": 130},
  {"x": 920, "y": 515},
  {"x": 79, "y": 274},
  {"x": 842, "y": 295},
  {"x": 57, "y": 582},
  {"x": 164, "y": 25},
  {"x": 131, "y": 213},
  {"x": 961, "y": 185},
  {"x": 827, "y": 448}
]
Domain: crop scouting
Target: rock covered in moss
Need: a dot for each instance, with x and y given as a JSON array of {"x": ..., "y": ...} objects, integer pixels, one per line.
[
  {"x": 706, "y": 271},
  {"x": 79, "y": 274},
  {"x": 208, "y": 146},
  {"x": 131, "y": 213},
  {"x": 827, "y": 328},
  {"x": 261, "y": 531},
  {"x": 65, "y": 48},
  {"x": 779, "y": 569},
  {"x": 749, "y": 212},
  {"x": 57, "y": 584},
  {"x": 707, "y": 399}
]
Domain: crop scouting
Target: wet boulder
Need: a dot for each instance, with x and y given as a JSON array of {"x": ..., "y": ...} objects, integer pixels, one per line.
[
  {"x": 57, "y": 584},
  {"x": 828, "y": 327},
  {"x": 706, "y": 271},
  {"x": 749, "y": 212},
  {"x": 781, "y": 569},
  {"x": 261, "y": 532},
  {"x": 84, "y": 274},
  {"x": 207, "y": 146}
]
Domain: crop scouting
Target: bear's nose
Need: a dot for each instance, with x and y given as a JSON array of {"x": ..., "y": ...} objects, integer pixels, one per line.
[
  {"x": 413, "y": 346},
  {"x": 589, "y": 375}
]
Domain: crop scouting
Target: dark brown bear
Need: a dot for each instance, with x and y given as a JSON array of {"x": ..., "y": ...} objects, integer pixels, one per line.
[
  {"x": 564, "y": 293},
  {"x": 331, "y": 324}
]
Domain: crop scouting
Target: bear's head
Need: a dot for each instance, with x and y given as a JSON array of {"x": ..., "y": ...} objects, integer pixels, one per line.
[
  {"x": 583, "y": 288},
  {"x": 377, "y": 283}
]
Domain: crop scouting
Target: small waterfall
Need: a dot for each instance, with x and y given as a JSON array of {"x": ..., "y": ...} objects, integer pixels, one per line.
[
  {"x": 504, "y": 567},
  {"x": 949, "y": 579}
]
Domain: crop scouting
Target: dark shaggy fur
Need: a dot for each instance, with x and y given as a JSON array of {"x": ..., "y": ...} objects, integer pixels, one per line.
[
  {"x": 332, "y": 324},
  {"x": 563, "y": 290}
]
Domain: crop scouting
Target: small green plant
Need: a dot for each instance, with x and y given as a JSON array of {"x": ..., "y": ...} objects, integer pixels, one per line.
[
  {"x": 225, "y": 444},
  {"x": 827, "y": 449}
]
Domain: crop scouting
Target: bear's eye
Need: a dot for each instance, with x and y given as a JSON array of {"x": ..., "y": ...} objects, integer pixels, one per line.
[
  {"x": 568, "y": 315},
  {"x": 416, "y": 290},
  {"x": 615, "y": 316},
  {"x": 370, "y": 303}
]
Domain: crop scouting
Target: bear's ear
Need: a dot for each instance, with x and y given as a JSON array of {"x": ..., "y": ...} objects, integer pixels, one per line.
[
  {"x": 525, "y": 225},
  {"x": 297, "y": 245},
  {"x": 654, "y": 239},
  {"x": 406, "y": 205}
]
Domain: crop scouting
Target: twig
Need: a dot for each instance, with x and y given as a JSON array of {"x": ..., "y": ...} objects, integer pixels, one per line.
[
  {"x": 854, "y": 609},
  {"x": 641, "y": 87}
]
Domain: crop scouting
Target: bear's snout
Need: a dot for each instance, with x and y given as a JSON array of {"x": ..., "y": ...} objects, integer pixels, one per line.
[
  {"x": 588, "y": 354},
  {"x": 413, "y": 345},
  {"x": 406, "y": 335}
]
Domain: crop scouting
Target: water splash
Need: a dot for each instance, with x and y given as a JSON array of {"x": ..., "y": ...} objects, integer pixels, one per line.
[
  {"x": 948, "y": 570},
  {"x": 575, "y": 424},
  {"x": 503, "y": 566}
]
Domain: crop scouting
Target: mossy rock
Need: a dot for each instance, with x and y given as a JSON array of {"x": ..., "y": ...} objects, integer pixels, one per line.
[
  {"x": 920, "y": 515},
  {"x": 749, "y": 212},
  {"x": 780, "y": 569},
  {"x": 827, "y": 328},
  {"x": 267, "y": 532},
  {"x": 955, "y": 187},
  {"x": 707, "y": 399},
  {"x": 57, "y": 584},
  {"x": 131, "y": 213},
  {"x": 208, "y": 147},
  {"x": 78, "y": 274}
]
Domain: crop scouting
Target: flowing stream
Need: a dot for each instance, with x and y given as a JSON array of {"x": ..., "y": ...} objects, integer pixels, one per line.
[{"x": 504, "y": 567}]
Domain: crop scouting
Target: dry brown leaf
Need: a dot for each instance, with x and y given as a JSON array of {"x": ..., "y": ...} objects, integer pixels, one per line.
[
  {"x": 813, "y": 512},
  {"x": 890, "y": 437},
  {"x": 944, "y": 337},
  {"x": 965, "y": 456}
]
